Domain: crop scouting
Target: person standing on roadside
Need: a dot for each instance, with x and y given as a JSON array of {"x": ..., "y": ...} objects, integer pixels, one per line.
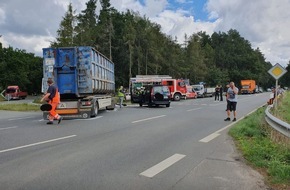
[
  {"x": 217, "y": 93},
  {"x": 221, "y": 93},
  {"x": 232, "y": 99},
  {"x": 53, "y": 98},
  {"x": 226, "y": 90},
  {"x": 121, "y": 95}
]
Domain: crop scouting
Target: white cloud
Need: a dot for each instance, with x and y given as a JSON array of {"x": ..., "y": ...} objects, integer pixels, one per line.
[
  {"x": 35, "y": 42},
  {"x": 32, "y": 24},
  {"x": 176, "y": 24},
  {"x": 2, "y": 16},
  {"x": 264, "y": 23}
]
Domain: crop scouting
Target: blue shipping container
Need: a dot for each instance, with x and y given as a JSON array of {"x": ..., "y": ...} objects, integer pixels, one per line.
[{"x": 78, "y": 71}]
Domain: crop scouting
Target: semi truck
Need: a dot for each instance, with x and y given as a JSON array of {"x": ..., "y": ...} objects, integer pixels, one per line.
[
  {"x": 84, "y": 78},
  {"x": 248, "y": 86}
]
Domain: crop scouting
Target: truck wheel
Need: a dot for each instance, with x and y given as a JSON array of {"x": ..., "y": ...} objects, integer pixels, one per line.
[
  {"x": 85, "y": 115},
  {"x": 140, "y": 104},
  {"x": 177, "y": 97},
  {"x": 167, "y": 105}
]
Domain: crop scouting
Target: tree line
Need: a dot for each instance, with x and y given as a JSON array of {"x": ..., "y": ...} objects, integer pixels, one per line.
[
  {"x": 137, "y": 46},
  {"x": 17, "y": 67}
]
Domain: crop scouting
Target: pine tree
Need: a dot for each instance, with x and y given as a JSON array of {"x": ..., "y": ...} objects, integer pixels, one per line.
[
  {"x": 86, "y": 32},
  {"x": 65, "y": 34},
  {"x": 105, "y": 29}
]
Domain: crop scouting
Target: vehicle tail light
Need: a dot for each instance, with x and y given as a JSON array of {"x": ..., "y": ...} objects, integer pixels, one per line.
[{"x": 86, "y": 103}]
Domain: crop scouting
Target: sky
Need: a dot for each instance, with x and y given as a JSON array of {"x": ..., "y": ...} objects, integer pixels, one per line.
[{"x": 32, "y": 24}]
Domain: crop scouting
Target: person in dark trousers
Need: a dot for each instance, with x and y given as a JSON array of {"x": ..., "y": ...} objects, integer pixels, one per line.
[
  {"x": 221, "y": 93},
  {"x": 226, "y": 90},
  {"x": 217, "y": 93},
  {"x": 53, "y": 98},
  {"x": 232, "y": 98}
]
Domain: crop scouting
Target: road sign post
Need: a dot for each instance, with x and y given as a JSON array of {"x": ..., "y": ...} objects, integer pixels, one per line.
[{"x": 277, "y": 71}]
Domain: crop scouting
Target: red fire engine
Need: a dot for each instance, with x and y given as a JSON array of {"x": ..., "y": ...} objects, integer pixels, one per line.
[{"x": 178, "y": 87}]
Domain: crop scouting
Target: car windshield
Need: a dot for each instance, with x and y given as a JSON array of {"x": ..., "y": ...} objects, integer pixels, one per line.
[
  {"x": 196, "y": 88},
  {"x": 161, "y": 89},
  {"x": 10, "y": 90}
]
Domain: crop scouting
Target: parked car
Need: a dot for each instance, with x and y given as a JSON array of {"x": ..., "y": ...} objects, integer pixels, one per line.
[
  {"x": 14, "y": 93},
  {"x": 155, "y": 95}
]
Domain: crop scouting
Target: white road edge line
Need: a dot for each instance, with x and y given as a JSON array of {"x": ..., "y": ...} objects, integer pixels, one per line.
[
  {"x": 8, "y": 128},
  {"x": 217, "y": 133},
  {"x": 34, "y": 144},
  {"x": 151, "y": 172},
  {"x": 150, "y": 118},
  {"x": 194, "y": 109}
]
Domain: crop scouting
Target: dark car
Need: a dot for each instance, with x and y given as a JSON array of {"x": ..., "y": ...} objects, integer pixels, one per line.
[{"x": 155, "y": 95}]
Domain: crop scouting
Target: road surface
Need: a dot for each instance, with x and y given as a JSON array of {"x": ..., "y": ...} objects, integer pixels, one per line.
[{"x": 182, "y": 147}]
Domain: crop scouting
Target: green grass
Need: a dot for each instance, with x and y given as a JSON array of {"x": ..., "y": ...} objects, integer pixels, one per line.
[
  {"x": 283, "y": 110},
  {"x": 252, "y": 136},
  {"x": 1, "y": 99},
  {"x": 20, "y": 107}
]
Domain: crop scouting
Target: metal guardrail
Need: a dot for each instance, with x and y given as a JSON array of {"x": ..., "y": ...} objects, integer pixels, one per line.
[{"x": 276, "y": 123}]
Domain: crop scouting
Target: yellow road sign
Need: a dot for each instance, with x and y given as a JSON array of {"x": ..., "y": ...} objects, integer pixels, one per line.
[{"x": 277, "y": 71}]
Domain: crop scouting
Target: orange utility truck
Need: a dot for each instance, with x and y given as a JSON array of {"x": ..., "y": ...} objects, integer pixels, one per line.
[{"x": 248, "y": 86}]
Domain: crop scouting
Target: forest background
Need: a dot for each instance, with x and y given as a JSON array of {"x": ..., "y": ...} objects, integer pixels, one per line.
[{"x": 138, "y": 47}]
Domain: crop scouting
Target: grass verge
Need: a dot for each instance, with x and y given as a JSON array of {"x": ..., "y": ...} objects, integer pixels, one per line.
[
  {"x": 252, "y": 136},
  {"x": 283, "y": 107},
  {"x": 19, "y": 107}
]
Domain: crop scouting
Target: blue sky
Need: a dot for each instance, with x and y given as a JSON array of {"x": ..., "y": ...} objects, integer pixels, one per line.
[
  {"x": 194, "y": 7},
  {"x": 30, "y": 24}
]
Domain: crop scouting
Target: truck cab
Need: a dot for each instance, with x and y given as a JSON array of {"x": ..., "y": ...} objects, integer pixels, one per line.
[
  {"x": 199, "y": 89},
  {"x": 177, "y": 88},
  {"x": 248, "y": 86}
]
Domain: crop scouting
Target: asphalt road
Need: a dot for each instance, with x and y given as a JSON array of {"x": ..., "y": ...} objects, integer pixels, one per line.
[{"x": 185, "y": 147}]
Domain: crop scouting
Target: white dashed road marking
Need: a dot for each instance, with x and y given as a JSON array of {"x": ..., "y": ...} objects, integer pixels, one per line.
[
  {"x": 150, "y": 118},
  {"x": 8, "y": 128},
  {"x": 19, "y": 118},
  {"x": 35, "y": 144},
  {"x": 209, "y": 137},
  {"x": 194, "y": 109},
  {"x": 151, "y": 172}
]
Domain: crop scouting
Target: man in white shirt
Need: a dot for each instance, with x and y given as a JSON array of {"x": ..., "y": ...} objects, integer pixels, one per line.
[{"x": 232, "y": 99}]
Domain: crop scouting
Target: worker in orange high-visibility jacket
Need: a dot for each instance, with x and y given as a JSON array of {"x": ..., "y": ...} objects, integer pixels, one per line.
[{"x": 53, "y": 98}]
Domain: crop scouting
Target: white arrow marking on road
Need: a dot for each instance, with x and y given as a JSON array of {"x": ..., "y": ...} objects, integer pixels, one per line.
[
  {"x": 150, "y": 118},
  {"x": 39, "y": 143},
  {"x": 151, "y": 172}
]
